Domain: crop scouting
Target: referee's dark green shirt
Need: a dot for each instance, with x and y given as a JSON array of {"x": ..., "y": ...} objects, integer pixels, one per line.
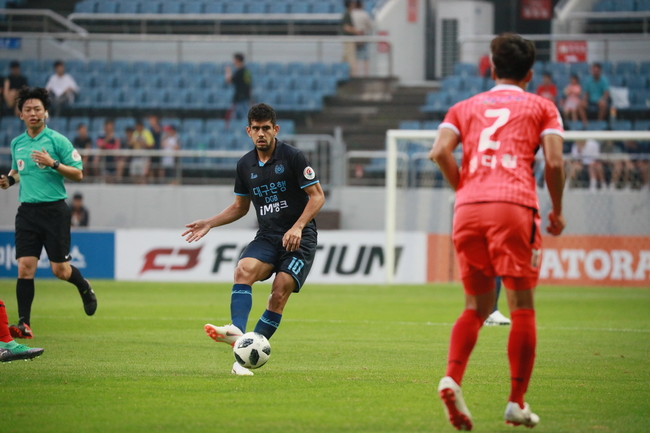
[{"x": 39, "y": 183}]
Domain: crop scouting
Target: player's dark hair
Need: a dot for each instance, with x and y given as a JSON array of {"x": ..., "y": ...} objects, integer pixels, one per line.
[
  {"x": 27, "y": 93},
  {"x": 261, "y": 113},
  {"x": 239, "y": 57},
  {"x": 512, "y": 56}
]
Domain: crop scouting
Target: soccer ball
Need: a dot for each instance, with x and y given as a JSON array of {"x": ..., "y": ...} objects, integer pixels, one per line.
[{"x": 252, "y": 350}]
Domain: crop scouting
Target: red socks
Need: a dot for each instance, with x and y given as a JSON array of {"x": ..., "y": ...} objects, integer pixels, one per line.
[
  {"x": 5, "y": 337},
  {"x": 463, "y": 339},
  {"x": 521, "y": 353}
]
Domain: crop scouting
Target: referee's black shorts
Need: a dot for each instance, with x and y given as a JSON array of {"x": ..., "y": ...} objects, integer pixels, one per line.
[{"x": 41, "y": 225}]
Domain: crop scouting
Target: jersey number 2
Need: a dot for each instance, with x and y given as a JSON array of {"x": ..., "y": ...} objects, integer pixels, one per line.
[{"x": 484, "y": 142}]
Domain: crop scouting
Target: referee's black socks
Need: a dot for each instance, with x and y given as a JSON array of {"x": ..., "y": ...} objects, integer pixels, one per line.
[
  {"x": 78, "y": 280},
  {"x": 25, "y": 296}
]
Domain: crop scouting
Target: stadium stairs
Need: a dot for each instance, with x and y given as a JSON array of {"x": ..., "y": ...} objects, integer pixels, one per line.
[{"x": 365, "y": 108}]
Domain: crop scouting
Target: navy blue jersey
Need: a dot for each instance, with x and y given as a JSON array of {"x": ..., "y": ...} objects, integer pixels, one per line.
[{"x": 277, "y": 187}]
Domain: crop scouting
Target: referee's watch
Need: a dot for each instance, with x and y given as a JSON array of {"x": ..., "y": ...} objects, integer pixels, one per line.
[{"x": 56, "y": 165}]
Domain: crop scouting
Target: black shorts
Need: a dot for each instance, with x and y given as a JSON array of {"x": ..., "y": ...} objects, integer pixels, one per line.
[
  {"x": 41, "y": 225},
  {"x": 268, "y": 248}
]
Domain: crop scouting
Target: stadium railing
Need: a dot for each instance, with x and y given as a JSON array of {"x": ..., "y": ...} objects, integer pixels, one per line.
[{"x": 41, "y": 20}]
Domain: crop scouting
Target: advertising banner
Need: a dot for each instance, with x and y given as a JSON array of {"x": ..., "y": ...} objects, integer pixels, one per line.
[
  {"x": 92, "y": 252},
  {"x": 342, "y": 257},
  {"x": 566, "y": 260},
  {"x": 536, "y": 9},
  {"x": 571, "y": 51}
]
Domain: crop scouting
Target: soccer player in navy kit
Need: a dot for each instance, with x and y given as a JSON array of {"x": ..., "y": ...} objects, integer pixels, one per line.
[{"x": 286, "y": 195}]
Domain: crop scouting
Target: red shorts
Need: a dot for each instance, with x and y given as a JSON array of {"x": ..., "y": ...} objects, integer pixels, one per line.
[{"x": 497, "y": 239}]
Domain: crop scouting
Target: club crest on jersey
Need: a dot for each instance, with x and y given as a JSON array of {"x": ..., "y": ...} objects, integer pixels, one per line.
[
  {"x": 21, "y": 164},
  {"x": 39, "y": 165},
  {"x": 279, "y": 169},
  {"x": 76, "y": 156},
  {"x": 309, "y": 173}
]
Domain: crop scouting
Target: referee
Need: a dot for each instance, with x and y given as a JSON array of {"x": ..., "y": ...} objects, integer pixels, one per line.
[{"x": 41, "y": 159}]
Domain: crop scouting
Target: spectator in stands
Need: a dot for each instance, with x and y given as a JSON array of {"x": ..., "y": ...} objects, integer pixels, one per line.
[
  {"x": 628, "y": 170},
  {"x": 585, "y": 154},
  {"x": 113, "y": 166},
  {"x": 157, "y": 132},
  {"x": 348, "y": 29},
  {"x": 363, "y": 24},
  {"x": 547, "y": 88},
  {"x": 170, "y": 144},
  {"x": 484, "y": 66},
  {"x": 242, "y": 80},
  {"x": 573, "y": 106},
  {"x": 80, "y": 216},
  {"x": 62, "y": 87},
  {"x": 596, "y": 88},
  {"x": 12, "y": 84},
  {"x": 140, "y": 139},
  {"x": 83, "y": 141}
]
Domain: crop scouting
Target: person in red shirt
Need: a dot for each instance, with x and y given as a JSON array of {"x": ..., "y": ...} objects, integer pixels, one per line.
[
  {"x": 547, "y": 89},
  {"x": 496, "y": 228}
]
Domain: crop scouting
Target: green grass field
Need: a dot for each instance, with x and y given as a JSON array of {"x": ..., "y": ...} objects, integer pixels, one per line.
[{"x": 345, "y": 359}]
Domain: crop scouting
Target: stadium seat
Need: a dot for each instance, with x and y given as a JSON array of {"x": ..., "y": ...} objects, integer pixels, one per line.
[
  {"x": 431, "y": 125},
  {"x": 327, "y": 85},
  {"x": 96, "y": 126},
  {"x": 452, "y": 83},
  {"x": 620, "y": 125},
  {"x": 193, "y": 7},
  {"x": 643, "y": 5},
  {"x": 297, "y": 68},
  {"x": 321, "y": 68},
  {"x": 213, "y": 8},
  {"x": 58, "y": 123},
  {"x": 234, "y": 7},
  {"x": 436, "y": 101},
  {"x": 640, "y": 100},
  {"x": 129, "y": 7},
  {"x": 626, "y": 68},
  {"x": 255, "y": 7},
  {"x": 473, "y": 84},
  {"x": 556, "y": 68},
  {"x": 107, "y": 7},
  {"x": 604, "y": 6},
  {"x": 287, "y": 127},
  {"x": 304, "y": 83},
  {"x": 597, "y": 125},
  {"x": 644, "y": 68},
  {"x": 208, "y": 68},
  {"x": 465, "y": 69},
  {"x": 642, "y": 125},
  {"x": 150, "y": 7},
  {"x": 409, "y": 124},
  {"x": 321, "y": 8},
  {"x": 86, "y": 7},
  {"x": 341, "y": 71},
  {"x": 624, "y": 5},
  {"x": 636, "y": 82},
  {"x": 299, "y": 8},
  {"x": 192, "y": 125},
  {"x": 581, "y": 68},
  {"x": 142, "y": 68},
  {"x": 172, "y": 7},
  {"x": 607, "y": 67},
  {"x": 214, "y": 126},
  {"x": 274, "y": 68},
  {"x": 575, "y": 125},
  {"x": 617, "y": 80},
  {"x": 97, "y": 67}
]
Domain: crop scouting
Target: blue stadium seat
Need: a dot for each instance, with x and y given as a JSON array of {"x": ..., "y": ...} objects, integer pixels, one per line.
[
  {"x": 214, "y": 126},
  {"x": 86, "y": 7},
  {"x": 172, "y": 7},
  {"x": 193, "y": 7},
  {"x": 488, "y": 84},
  {"x": 128, "y": 98},
  {"x": 117, "y": 66},
  {"x": 556, "y": 68},
  {"x": 299, "y": 8},
  {"x": 255, "y": 7},
  {"x": 96, "y": 126},
  {"x": 581, "y": 68},
  {"x": 642, "y": 125},
  {"x": 234, "y": 7},
  {"x": 636, "y": 82},
  {"x": 321, "y": 7},
  {"x": 142, "y": 68},
  {"x": 129, "y": 7},
  {"x": 597, "y": 125},
  {"x": 274, "y": 68},
  {"x": 640, "y": 100},
  {"x": 312, "y": 101},
  {"x": 107, "y": 7},
  {"x": 561, "y": 81},
  {"x": 163, "y": 67},
  {"x": 213, "y": 8},
  {"x": 109, "y": 98},
  {"x": 409, "y": 124},
  {"x": 643, "y": 5},
  {"x": 297, "y": 68},
  {"x": 319, "y": 68},
  {"x": 327, "y": 85},
  {"x": 473, "y": 84},
  {"x": 435, "y": 102},
  {"x": 192, "y": 125},
  {"x": 73, "y": 122},
  {"x": 5, "y": 141},
  {"x": 304, "y": 83},
  {"x": 281, "y": 82},
  {"x": 626, "y": 68},
  {"x": 575, "y": 125},
  {"x": 431, "y": 124},
  {"x": 616, "y": 80},
  {"x": 208, "y": 68},
  {"x": 58, "y": 123},
  {"x": 150, "y": 7},
  {"x": 187, "y": 69},
  {"x": 465, "y": 69},
  {"x": 644, "y": 68},
  {"x": 607, "y": 67},
  {"x": 341, "y": 71},
  {"x": 624, "y": 6},
  {"x": 459, "y": 96},
  {"x": 604, "y": 6},
  {"x": 620, "y": 125},
  {"x": 97, "y": 67},
  {"x": 452, "y": 83}
]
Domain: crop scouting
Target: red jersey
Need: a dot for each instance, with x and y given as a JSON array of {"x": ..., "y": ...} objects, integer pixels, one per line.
[
  {"x": 548, "y": 91},
  {"x": 501, "y": 131}
]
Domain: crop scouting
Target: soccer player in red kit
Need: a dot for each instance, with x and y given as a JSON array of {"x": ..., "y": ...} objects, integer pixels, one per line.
[{"x": 496, "y": 219}]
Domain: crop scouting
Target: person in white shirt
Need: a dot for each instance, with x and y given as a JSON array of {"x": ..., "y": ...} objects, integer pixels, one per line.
[
  {"x": 585, "y": 154},
  {"x": 362, "y": 22},
  {"x": 62, "y": 87}
]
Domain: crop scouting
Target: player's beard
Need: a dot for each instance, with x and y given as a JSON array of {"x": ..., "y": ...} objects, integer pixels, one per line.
[{"x": 262, "y": 147}]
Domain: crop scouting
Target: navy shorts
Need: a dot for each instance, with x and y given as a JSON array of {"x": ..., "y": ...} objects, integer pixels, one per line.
[
  {"x": 267, "y": 248},
  {"x": 41, "y": 225}
]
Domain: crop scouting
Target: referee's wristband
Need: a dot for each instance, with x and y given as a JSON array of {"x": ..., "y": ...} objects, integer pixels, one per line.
[{"x": 11, "y": 180}]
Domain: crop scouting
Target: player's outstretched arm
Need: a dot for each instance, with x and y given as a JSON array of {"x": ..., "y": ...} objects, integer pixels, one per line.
[
  {"x": 291, "y": 239},
  {"x": 442, "y": 154},
  {"x": 199, "y": 228},
  {"x": 5, "y": 182},
  {"x": 554, "y": 176}
]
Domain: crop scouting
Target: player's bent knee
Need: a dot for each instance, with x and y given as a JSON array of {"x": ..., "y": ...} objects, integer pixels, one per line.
[{"x": 62, "y": 270}]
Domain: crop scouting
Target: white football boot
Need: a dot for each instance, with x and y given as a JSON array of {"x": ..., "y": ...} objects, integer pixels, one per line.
[
  {"x": 241, "y": 371},
  {"x": 496, "y": 318},
  {"x": 515, "y": 415},
  {"x": 223, "y": 334},
  {"x": 454, "y": 404}
]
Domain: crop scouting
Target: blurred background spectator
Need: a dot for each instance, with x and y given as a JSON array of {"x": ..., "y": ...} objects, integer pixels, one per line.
[
  {"x": 113, "y": 166},
  {"x": 584, "y": 157},
  {"x": 170, "y": 144},
  {"x": 242, "y": 81},
  {"x": 83, "y": 141},
  {"x": 596, "y": 92},
  {"x": 62, "y": 87},
  {"x": 12, "y": 84},
  {"x": 547, "y": 88},
  {"x": 362, "y": 22},
  {"x": 572, "y": 104},
  {"x": 79, "y": 214}
]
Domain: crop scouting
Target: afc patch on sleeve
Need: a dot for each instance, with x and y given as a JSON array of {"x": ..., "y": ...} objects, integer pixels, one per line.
[
  {"x": 76, "y": 156},
  {"x": 309, "y": 173}
]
